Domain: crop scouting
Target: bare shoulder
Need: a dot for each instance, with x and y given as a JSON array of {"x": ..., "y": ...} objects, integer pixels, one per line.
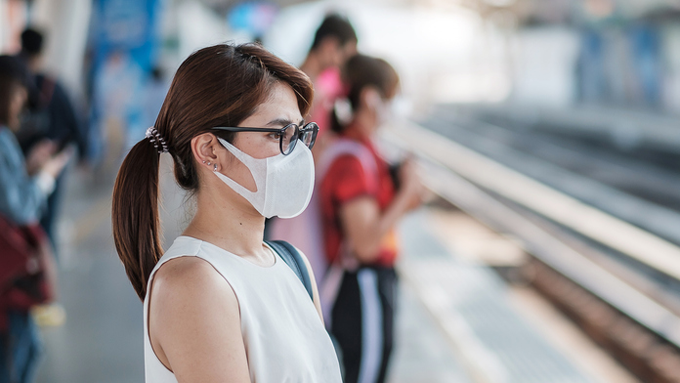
[
  {"x": 194, "y": 322},
  {"x": 192, "y": 280}
]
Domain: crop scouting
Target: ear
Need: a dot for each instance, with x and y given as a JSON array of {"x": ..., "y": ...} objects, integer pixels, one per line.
[{"x": 206, "y": 149}]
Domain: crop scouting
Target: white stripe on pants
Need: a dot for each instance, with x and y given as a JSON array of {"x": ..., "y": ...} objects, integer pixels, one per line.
[{"x": 372, "y": 326}]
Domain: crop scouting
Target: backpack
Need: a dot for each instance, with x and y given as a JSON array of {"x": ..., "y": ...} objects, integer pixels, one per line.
[
  {"x": 294, "y": 260},
  {"x": 21, "y": 288}
]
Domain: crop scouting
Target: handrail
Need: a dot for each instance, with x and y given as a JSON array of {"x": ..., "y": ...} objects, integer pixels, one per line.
[{"x": 619, "y": 235}]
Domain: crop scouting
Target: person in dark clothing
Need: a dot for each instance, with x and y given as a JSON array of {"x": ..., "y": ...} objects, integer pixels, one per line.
[{"x": 51, "y": 118}]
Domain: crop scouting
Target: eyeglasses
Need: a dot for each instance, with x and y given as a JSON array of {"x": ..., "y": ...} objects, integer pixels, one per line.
[{"x": 288, "y": 135}]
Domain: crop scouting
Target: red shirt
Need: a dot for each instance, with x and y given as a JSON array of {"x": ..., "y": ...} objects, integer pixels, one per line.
[{"x": 345, "y": 180}]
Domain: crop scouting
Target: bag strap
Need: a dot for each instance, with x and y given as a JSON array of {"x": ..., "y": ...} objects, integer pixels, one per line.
[{"x": 294, "y": 260}]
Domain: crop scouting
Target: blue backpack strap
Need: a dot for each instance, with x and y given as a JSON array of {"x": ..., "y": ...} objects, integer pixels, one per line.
[{"x": 294, "y": 260}]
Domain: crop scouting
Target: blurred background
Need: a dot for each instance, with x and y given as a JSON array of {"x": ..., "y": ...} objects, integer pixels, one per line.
[{"x": 547, "y": 131}]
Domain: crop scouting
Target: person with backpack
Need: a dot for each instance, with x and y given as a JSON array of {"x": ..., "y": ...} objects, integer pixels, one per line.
[
  {"x": 27, "y": 270},
  {"x": 361, "y": 206},
  {"x": 220, "y": 304}
]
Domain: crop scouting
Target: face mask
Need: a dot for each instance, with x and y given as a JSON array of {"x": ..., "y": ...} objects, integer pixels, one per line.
[
  {"x": 385, "y": 112},
  {"x": 381, "y": 107},
  {"x": 284, "y": 183}
]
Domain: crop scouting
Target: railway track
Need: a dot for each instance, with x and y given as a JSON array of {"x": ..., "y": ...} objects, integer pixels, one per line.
[{"x": 617, "y": 280}]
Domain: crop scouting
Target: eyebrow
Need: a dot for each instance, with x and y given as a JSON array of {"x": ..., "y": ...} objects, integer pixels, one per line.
[{"x": 283, "y": 122}]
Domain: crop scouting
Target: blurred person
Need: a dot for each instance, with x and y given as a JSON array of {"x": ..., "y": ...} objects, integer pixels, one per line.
[
  {"x": 361, "y": 206},
  {"x": 219, "y": 304},
  {"x": 51, "y": 119},
  {"x": 334, "y": 42},
  {"x": 27, "y": 272}
]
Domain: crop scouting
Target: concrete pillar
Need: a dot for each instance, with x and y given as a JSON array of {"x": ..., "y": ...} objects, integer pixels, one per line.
[
  {"x": 67, "y": 24},
  {"x": 12, "y": 21}
]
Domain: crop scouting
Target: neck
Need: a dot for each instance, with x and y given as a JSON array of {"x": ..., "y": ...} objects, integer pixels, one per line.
[{"x": 228, "y": 224}]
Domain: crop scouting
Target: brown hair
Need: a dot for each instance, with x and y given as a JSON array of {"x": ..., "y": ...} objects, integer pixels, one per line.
[
  {"x": 8, "y": 88},
  {"x": 220, "y": 85},
  {"x": 362, "y": 71},
  {"x": 13, "y": 76}
]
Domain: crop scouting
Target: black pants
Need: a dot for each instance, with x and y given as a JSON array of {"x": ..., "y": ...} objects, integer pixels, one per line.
[{"x": 362, "y": 323}]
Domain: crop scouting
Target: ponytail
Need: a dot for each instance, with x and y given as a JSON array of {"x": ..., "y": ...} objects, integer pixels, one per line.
[{"x": 136, "y": 225}]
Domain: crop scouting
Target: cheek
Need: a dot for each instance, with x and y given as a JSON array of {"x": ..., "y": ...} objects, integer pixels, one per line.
[
  {"x": 239, "y": 172},
  {"x": 257, "y": 145},
  {"x": 340, "y": 59},
  {"x": 16, "y": 105}
]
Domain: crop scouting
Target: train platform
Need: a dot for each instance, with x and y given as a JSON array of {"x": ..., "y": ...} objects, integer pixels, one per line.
[{"x": 458, "y": 321}]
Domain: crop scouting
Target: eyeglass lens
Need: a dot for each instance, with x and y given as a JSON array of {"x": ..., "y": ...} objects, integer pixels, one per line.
[
  {"x": 289, "y": 138},
  {"x": 292, "y": 133},
  {"x": 307, "y": 137}
]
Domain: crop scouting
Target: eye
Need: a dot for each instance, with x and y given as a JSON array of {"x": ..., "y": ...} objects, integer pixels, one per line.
[{"x": 274, "y": 136}]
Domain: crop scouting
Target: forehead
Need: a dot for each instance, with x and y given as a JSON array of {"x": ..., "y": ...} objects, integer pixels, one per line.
[{"x": 281, "y": 103}]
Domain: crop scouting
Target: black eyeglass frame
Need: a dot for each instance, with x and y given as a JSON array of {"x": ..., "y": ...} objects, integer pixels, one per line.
[{"x": 299, "y": 133}]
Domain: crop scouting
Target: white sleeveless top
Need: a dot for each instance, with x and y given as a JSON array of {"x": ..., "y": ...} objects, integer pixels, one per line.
[{"x": 284, "y": 338}]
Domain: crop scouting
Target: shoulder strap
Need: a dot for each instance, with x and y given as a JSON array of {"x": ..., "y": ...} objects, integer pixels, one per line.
[
  {"x": 294, "y": 260},
  {"x": 342, "y": 147}
]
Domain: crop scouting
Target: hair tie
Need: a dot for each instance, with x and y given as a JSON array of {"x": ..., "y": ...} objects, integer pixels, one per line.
[{"x": 155, "y": 137}]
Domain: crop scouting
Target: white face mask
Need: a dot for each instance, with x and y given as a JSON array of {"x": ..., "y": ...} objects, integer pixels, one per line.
[
  {"x": 284, "y": 183},
  {"x": 382, "y": 108}
]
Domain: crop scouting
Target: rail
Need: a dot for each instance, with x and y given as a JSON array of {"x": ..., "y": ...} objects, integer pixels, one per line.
[{"x": 461, "y": 176}]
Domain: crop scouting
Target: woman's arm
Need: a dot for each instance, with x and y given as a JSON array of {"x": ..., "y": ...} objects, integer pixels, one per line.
[
  {"x": 365, "y": 225},
  {"x": 195, "y": 325},
  {"x": 21, "y": 197}
]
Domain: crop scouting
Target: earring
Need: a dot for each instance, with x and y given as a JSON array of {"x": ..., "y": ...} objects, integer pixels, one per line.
[
  {"x": 203, "y": 162},
  {"x": 215, "y": 169},
  {"x": 209, "y": 163}
]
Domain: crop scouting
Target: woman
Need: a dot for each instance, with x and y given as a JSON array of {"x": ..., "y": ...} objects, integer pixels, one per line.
[
  {"x": 25, "y": 185},
  {"x": 361, "y": 206},
  {"x": 220, "y": 305}
]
